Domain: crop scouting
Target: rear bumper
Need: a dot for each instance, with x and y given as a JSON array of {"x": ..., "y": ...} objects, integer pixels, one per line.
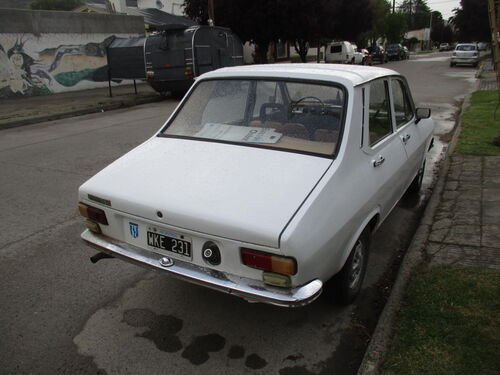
[
  {"x": 249, "y": 289},
  {"x": 464, "y": 60}
]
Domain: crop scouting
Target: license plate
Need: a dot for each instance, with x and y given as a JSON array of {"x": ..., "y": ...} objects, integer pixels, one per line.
[{"x": 167, "y": 243}]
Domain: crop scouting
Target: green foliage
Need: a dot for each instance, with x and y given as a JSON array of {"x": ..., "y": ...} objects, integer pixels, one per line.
[
  {"x": 55, "y": 4},
  {"x": 449, "y": 324},
  {"x": 395, "y": 27},
  {"x": 479, "y": 124},
  {"x": 472, "y": 21},
  {"x": 417, "y": 12},
  {"x": 300, "y": 21}
]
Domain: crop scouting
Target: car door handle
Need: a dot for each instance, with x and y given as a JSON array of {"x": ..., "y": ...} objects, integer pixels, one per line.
[
  {"x": 406, "y": 138},
  {"x": 379, "y": 161}
]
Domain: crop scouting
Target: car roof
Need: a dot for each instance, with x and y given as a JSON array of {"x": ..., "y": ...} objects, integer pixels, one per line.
[{"x": 347, "y": 75}]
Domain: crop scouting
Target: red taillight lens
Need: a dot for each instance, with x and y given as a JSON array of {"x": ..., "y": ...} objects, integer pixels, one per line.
[
  {"x": 93, "y": 213},
  {"x": 268, "y": 262}
]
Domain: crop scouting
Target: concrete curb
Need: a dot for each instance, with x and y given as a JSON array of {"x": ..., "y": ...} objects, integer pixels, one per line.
[
  {"x": 80, "y": 112},
  {"x": 415, "y": 255}
]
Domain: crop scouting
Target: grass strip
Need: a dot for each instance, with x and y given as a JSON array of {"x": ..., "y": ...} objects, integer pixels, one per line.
[
  {"x": 479, "y": 125},
  {"x": 449, "y": 324}
]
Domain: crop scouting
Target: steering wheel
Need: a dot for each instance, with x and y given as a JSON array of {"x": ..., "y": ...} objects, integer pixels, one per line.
[
  {"x": 380, "y": 108},
  {"x": 296, "y": 102},
  {"x": 310, "y": 97}
]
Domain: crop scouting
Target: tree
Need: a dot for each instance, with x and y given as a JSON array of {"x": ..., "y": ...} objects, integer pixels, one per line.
[
  {"x": 55, "y": 4},
  {"x": 298, "y": 21},
  {"x": 441, "y": 32},
  {"x": 471, "y": 21},
  {"x": 418, "y": 13},
  {"x": 395, "y": 27},
  {"x": 380, "y": 10}
]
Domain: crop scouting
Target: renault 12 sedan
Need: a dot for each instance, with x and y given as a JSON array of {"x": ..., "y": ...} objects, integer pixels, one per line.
[{"x": 266, "y": 182}]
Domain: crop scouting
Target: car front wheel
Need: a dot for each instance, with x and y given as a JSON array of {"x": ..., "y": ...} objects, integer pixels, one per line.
[{"x": 345, "y": 286}]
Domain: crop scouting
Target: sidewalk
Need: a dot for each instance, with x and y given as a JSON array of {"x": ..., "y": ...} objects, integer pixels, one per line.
[
  {"x": 466, "y": 229},
  {"x": 29, "y": 110},
  {"x": 460, "y": 227}
]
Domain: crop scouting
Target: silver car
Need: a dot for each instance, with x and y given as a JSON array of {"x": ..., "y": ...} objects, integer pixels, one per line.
[{"x": 466, "y": 54}]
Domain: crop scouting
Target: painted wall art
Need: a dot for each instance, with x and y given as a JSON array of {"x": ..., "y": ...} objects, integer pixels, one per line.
[{"x": 52, "y": 63}]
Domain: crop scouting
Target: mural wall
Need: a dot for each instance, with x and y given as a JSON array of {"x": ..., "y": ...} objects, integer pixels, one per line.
[{"x": 52, "y": 63}]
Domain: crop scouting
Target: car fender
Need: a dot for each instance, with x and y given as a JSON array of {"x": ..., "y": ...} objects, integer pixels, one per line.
[{"x": 366, "y": 222}]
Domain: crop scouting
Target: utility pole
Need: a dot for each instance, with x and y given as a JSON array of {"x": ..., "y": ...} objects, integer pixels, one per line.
[
  {"x": 493, "y": 10},
  {"x": 430, "y": 32},
  {"x": 211, "y": 13}
]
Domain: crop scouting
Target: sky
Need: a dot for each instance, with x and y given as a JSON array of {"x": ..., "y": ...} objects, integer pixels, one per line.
[{"x": 444, "y": 6}]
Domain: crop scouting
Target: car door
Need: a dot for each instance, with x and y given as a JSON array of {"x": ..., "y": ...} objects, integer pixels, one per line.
[
  {"x": 386, "y": 158},
  {"x": 409, "y": 132}
]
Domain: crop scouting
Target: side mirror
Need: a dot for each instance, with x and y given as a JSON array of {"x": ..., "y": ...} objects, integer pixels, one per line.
[{"x": 422, "y": 113}]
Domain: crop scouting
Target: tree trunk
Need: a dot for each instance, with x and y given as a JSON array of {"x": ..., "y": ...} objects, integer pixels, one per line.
[
  {"x": 301, "y": 47},
  {"x": 260, "y": 54}
]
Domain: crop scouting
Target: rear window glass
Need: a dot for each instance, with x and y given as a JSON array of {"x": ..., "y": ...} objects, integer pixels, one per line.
[
  {"x": 466, "y": 47},
  {"x": 277, "y": 114}
]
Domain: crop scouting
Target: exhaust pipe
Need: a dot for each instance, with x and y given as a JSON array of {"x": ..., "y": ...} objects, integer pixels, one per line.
[{"x": 99, "y": 256}]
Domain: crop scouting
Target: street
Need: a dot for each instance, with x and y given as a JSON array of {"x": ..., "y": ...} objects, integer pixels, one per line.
[{"x": 63, "y": 314}]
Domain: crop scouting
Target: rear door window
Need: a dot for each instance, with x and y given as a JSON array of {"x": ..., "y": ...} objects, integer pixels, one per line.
[{"x": 380, "y": 122}]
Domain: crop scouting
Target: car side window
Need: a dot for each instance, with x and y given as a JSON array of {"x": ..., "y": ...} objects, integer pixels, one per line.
[
  {"x": 403, "y": 110},
  {"x": 380, "y": 122}
]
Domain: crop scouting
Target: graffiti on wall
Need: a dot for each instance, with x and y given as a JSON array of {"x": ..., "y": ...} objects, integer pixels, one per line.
[{"x": 27, "y": 68}]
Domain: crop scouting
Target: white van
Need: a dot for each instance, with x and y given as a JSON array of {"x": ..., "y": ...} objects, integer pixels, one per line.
[{"x": 339, "y": 52}]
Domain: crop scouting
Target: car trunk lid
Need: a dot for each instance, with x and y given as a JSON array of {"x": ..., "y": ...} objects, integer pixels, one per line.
[{"x": 237, "y": 192}]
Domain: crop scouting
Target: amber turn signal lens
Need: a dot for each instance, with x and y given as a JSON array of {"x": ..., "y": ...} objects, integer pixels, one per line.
[
  {"x": 268, "y": 262},
  {"x": 93, "y": 213}
]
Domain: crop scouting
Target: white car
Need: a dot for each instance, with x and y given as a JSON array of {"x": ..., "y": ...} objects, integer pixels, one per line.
[
  {"x": 465, "y": 54},
  {"x": 266, "y": 182},
  {"x": 358, "y": 55}
]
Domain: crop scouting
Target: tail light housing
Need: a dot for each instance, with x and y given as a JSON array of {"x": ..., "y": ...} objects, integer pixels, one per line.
[
  {"x": 93, "y": 213},
  {"x": 268, "y": 262}
]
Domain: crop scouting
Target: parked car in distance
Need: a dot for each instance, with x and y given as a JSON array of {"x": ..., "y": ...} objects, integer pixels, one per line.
[
  {"x": 482, "y": 46},
  {"x": 445, "y": 47},
  {"x": 367, "y": 57},
  {"x": 340, "y": 52},
  {"x": 379, "y": 54},
  {"x": 266, "y": 182},
  {"x": 395, "y": 52},
  {"x": 465, "y": 54},
  {"x": 406, "y": 52},
  {"x": 358, "y": 55}
]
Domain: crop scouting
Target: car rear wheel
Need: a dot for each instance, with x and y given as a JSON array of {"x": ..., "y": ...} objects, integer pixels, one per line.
[
  {"x": 452, "y": 65},
  {"x": 345, "y": 286}
]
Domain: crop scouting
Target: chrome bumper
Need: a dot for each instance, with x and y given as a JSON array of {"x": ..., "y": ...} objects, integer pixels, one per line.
[{"x": 251, "y": 290}]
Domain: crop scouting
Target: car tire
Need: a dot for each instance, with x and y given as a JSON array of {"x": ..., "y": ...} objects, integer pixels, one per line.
[
  {"x": 344, "y": 287},
  {"x": 452, "y": 65},
  {"x": 416, "y": 184},
  {"x": 475, "y": 65}
]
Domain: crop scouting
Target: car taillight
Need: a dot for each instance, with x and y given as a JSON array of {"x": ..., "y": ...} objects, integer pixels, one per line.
[
  {"x": 93, "y": 213},
  {"x": 268, "y": 262},
  {"x": 150, "y": 74}
]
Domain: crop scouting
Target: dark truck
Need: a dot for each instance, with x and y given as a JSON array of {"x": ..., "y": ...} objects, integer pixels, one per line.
[{"x": 173, "y": 58}]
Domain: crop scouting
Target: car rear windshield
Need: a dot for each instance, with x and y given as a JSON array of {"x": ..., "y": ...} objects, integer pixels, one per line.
[
  {"x": 278, "y": 114},
  {"x": 466, "y": 47}
]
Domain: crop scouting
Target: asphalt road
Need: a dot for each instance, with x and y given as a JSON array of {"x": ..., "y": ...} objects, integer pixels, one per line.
[{"x": 61, "y": 314}]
